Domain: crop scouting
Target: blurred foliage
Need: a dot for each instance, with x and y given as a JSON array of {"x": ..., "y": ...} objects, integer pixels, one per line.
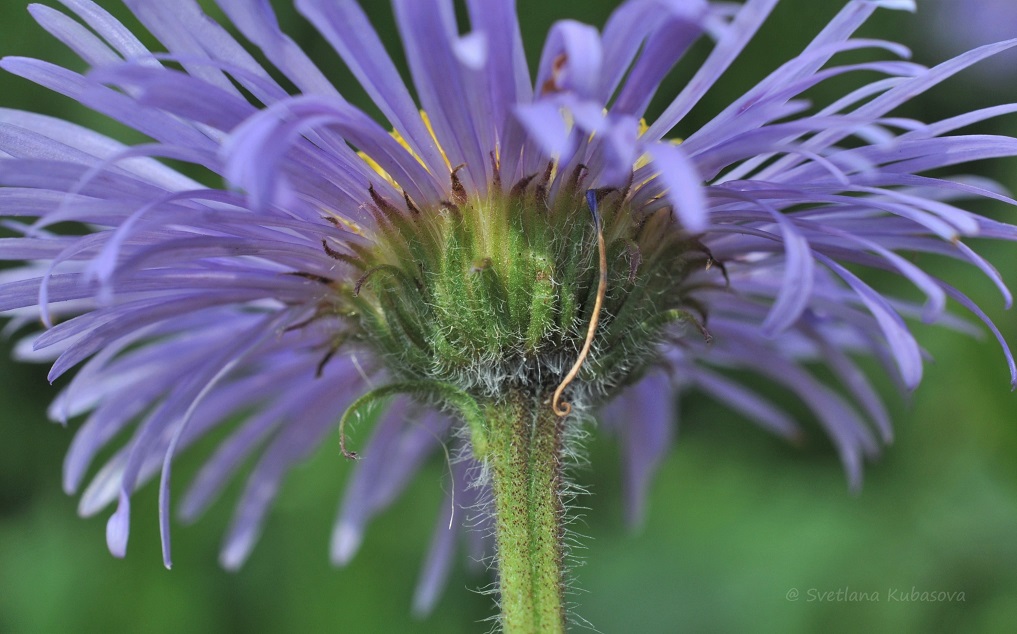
[{"x": 738, "y": 522}]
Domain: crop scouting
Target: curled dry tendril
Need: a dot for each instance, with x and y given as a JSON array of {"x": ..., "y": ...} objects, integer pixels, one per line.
[{"x": 561, "y": 408}]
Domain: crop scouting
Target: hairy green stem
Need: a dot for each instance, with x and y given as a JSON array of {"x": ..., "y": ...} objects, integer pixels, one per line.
[{"x": 526, "y": 461}]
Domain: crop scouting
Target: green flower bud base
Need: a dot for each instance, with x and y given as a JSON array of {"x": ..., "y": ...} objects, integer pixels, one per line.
[
  {"x": 483, "y": 305},
  {"x": 496, "y": 293}
]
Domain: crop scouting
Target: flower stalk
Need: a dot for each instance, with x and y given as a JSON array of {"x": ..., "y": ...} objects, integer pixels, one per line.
[{"x": 526, "y": 460}]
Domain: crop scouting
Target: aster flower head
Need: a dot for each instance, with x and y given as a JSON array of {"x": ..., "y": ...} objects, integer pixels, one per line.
[{"x": 504, "y": 259}]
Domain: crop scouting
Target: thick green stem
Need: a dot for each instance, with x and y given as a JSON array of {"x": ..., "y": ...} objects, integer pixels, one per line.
[{"x": 525, "y": 458}]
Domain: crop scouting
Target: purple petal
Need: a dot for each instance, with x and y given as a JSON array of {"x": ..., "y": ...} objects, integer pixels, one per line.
[
  {"x": 347, "y": 29},
  {"x": 262, "y": 331},
  {"x": 120, "y": 107},
  {"x": 898, "y": 337},
  {"x": 964, "y": 301},
  {"x": 544, "y": 124},
  {"x": 109, "y": 28},
  {"x": 750, "y": 404},
  {"x": 450, "y": 524},
  {"x": 79, "y": 39},
  {"x": 390, "y": 460},
  {"x": 672, "y": 35},
  {"x": 737, "y": 36},
  {"x": 256, "y": 148},
  {"x": 428, "y": 29},
  {"x": 294, "y": 443},
  {"x": 191, "y": 36},
  {"x": 497, "y": 20},
  {"x": 684, "y": 185},
  {"x": 644, "y": 417},
  {"x": 571, "y": 61},
  {"x": 257, "y": 21}
]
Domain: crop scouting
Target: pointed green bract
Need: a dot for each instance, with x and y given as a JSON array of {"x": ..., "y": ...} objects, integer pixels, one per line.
[{"x": 447, "y": 396}]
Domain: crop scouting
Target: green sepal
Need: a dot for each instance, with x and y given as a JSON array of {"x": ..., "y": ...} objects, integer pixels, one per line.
[
  {"x": 542, "y": 296},
  {"x": 468, "y": 408}
]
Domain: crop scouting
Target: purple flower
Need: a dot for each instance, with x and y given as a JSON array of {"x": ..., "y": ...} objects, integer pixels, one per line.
[{"x": 189, "y": 305}]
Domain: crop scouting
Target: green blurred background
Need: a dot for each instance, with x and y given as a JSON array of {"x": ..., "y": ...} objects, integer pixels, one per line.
[{"x": 739, "y": 522}]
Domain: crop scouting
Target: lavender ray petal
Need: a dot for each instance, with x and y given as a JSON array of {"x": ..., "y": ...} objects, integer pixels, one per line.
[
  {"x": 661, "y": 51},
  {"x": 848, "y": 432},
  {"x": 684, "y": 185},
  {"x": 91, "y": 337},
  {"x": 358, "y": 499},
  {"x": 347, "y": 29},
  {"x": 544, "y": 125},
  {"x": 645, "y": 415},
  {"x": 428, "y": 28},
  {"x": 134, "y": 385},
  {"x": 293, "y": 443},
  {"x": 854, "y": 380},
  {"x": 473, "y": 53},
  {"x": 438, "y": 564},
  {"x": 162, "y": 423},
  {"x": 225, "y": 462},
  {"x": 263, "y": 330},
  {"x": 898, "y": 95},
  {"x": 798, "y": 277},
  {"x": 497, "y": 20},
  {"x": 179, "y": 94},
  {"x": 110, "y": 29},
  {"x": 738, "y": 34},
  {"x": 741, "y": 399},
  {"x": 257, "y": 146},
  {"x": 399, "y": 447},
  {"x": 966, "y": 302},
  {"x": 628, "y": 28},
  {"x": 76, "y": 37},
  {"x": 571, "y": 61},
  {"x": 898, "y": 337},
  {"x": 159, "y": 126},
  {"x": 91, "y": 147},
  {"x": 257, "y": 21},
  {"x": 189, "y": 33}
]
